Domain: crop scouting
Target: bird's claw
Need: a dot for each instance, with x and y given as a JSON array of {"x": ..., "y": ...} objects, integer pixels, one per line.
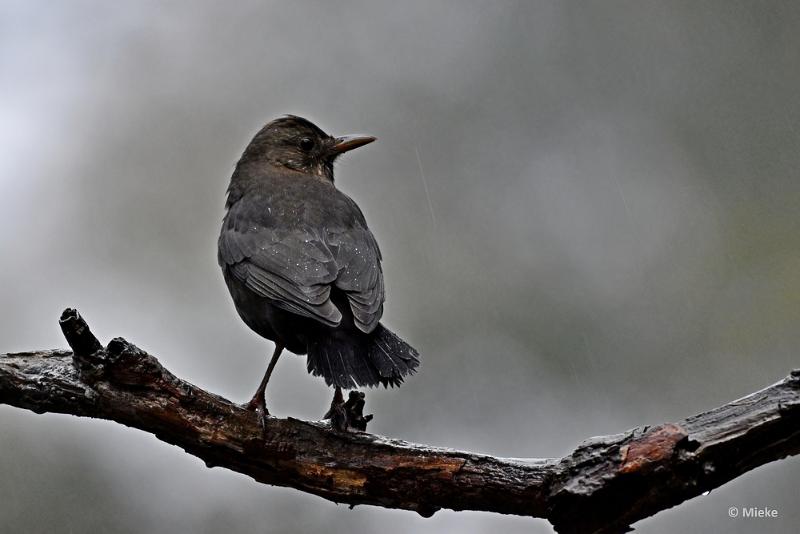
[
  {"x": 349, "y": 415},
  {"x": 259, "y": 406},
  {"x": 262, "y": 421}
]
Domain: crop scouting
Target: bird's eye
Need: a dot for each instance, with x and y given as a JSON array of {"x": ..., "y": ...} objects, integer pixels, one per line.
[{"x": 306, "y": 143}]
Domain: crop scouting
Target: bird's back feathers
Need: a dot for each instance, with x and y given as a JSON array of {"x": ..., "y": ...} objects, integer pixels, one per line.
[{"x": 291, "y": 241}]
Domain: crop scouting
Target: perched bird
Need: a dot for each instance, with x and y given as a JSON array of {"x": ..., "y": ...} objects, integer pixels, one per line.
[{"x": 302, "y": 266}]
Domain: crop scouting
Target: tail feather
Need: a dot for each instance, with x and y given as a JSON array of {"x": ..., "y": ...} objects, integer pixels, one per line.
[
  {"x": 380, "y": 357},
  {"x": 391, "y": 356}
]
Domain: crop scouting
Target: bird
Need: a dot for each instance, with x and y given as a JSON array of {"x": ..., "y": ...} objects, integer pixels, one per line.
[{"x": 301, "y": 265}]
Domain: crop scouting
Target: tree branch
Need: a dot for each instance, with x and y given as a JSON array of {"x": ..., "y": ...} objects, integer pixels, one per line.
[{"x": 603, "y": 486}]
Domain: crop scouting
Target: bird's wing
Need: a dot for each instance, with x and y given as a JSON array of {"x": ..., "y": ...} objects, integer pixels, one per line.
[
  {"x": 360, "y": 275},
  {"x": 296, "y": 267},
  {"x": 292, "y": 267}
]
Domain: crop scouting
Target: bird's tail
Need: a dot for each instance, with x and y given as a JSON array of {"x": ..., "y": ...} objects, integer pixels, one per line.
[{"x": 380, "y": 357}]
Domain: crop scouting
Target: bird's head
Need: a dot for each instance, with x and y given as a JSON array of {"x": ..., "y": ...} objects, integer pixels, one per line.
[{"x": 298, "y": 144}]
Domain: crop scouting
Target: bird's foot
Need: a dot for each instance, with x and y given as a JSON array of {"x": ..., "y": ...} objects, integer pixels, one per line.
[
  {"x": 259, "y": 405},
  {"x": 337, "y": 400},
  {"x": 348, "y": 416}
]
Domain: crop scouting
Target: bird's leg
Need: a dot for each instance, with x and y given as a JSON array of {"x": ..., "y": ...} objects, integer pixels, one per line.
[
  {"x": 259, "y": 402},
  {"x": 336, "y": 413},
  {"x": 338, "y": 400}
]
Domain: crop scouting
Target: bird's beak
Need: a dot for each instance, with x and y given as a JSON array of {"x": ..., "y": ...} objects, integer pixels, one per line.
[{"x": 349, "y": 142}]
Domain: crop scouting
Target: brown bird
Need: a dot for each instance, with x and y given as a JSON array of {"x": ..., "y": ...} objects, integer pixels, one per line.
[{"x": 302, "y": 266}]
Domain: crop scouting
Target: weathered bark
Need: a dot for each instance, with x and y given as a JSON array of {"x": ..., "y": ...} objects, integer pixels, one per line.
[{"x": 604, "y": 486}]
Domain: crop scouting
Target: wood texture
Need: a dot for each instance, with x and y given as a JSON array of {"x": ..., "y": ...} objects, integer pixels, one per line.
[{"x": 603, "y": 486}]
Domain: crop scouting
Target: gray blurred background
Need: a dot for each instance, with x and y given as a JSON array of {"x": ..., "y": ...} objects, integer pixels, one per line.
[{"x": 589, "y": 212}]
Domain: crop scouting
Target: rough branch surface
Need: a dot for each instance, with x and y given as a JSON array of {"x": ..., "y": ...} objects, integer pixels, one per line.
[{"x": 604, "y": 485}]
